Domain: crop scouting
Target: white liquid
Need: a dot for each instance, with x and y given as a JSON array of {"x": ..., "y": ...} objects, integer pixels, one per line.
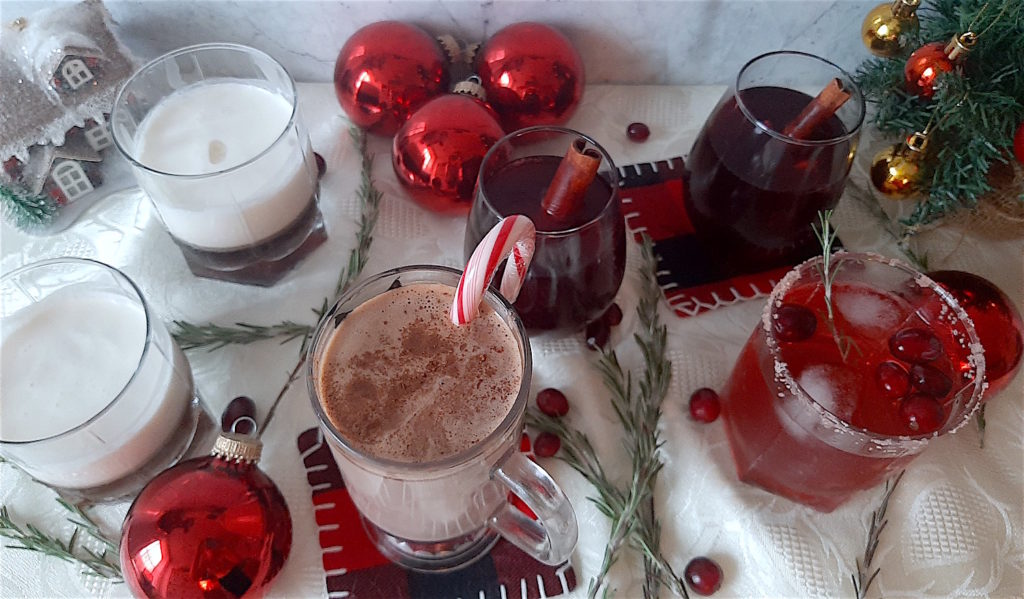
[
  {"x": 62, "y": 361},
  {"x": 211, "y": 127}
]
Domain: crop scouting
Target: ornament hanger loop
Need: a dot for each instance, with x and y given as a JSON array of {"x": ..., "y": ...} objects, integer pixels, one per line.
[{"x": 252, "y": 423}]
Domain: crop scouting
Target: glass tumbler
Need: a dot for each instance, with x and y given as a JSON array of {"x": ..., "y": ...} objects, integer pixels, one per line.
[
  {"x": 95, "y": 395},
  {"x": 214, "y": 136},
  {"x": 819, "y": 407}
]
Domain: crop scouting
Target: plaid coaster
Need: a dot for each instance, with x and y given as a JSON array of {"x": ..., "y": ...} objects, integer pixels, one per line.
[
  {"x": 354, "y": 569},
  {"x": 689, "y": 275}
]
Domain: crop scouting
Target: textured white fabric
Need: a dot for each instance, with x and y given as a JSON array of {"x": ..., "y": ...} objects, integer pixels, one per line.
[{"x": 955, "y": 524}]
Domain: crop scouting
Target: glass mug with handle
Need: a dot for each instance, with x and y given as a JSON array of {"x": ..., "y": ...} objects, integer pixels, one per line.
[{"x": 425, "y": 420}]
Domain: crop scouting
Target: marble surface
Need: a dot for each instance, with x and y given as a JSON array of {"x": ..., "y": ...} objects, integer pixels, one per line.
[{"x": 682, "y": 42}]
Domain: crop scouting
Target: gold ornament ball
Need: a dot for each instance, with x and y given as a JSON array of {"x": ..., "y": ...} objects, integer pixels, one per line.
[
  {"x": 883, "y": 31},
  {"x": 896, "y": 172}
]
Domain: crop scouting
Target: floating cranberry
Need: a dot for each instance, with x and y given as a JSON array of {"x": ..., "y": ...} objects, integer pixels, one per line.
[
  {"x": 892, "y": 378},
  {"x": 239, "y": 407},
  {"x": 638, "y": 132},
  {"x": 612, "y": 316},
  {"x": 794, "y": 323},
  {"x": 321, "y": 165},
  {"x": 546, "y": 445},
  {"x": 553, "y": 402},
  {"x": 930, "y": 380},
  {"x": 921, "y": 414},
  {"x": 915, "y": 345},
  {"x": 703, "y": 575},
  {"x": 597, "y": 334},
  {"x": 704, "y": 405}
]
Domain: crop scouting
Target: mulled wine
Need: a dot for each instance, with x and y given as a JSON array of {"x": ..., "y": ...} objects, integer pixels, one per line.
[
  {"x": 580, "y": 259},
  {"x": 819, "y": 407},
  {"x": 753, "y": 190}
]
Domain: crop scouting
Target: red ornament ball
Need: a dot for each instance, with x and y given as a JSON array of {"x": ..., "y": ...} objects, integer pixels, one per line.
[
  {"x": 385, "y": 72},
  {"x": 996, "y": 320},
  {"x": 532, "y": 75},
  {"x": 437, "y": 153},
  {"x": 1018, "y": 144},
  {"x": 923, "y": 68},
  {"x": 703, "y": 575},
  {"x": 208, "y": 527}
]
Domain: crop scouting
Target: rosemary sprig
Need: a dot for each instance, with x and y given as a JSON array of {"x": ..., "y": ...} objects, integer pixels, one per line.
[
  {"x": 369, "y": 207},
  {"x": 29, "y": 538},
  {"x": 826, "y": 235},
  {"x": 638, "y": 410},
  {"x": 863, "y": 578},
  {"x": 212, "y": 336}
]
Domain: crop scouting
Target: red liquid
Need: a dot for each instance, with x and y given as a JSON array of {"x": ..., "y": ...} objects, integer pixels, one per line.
[
  {"x": 781, "y": 444},
  {"x": 574, "y": 276},
  {"x": 752, "y": 196}
]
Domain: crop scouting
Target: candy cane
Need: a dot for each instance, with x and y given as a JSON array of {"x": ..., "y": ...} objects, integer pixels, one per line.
[{"x": 513, "y": 238}]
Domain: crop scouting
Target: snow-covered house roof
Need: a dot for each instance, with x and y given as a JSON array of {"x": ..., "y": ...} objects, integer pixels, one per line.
[{"x": 32, "y": 110}]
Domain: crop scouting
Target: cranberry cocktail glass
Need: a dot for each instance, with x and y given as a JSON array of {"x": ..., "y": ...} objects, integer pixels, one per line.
[
  {"x": 759, "y": 173},
  {"x": 818, "y": 408},
  {"x": 580, "y": 258}
]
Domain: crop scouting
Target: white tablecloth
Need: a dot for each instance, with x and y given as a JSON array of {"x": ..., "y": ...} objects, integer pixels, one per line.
[{"x": 955, "y": 524}]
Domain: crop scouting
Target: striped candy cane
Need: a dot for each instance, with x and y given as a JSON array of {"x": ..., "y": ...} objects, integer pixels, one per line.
[{"x": 513, "y": 238}]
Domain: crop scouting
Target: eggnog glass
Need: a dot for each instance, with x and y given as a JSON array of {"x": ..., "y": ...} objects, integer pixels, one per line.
[
  {"x": 442, "y": 513},
  {"x": 818, "y": 410},
  {"x": 95, "y": 396},
  {"x": 215, "y": 140}
]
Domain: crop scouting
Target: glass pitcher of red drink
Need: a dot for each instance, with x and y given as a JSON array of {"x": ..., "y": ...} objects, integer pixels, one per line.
[
  {"x": 819, "y": 407},
  {"x": 756, "y": 180},
  {"x": 580, "y": 257}
]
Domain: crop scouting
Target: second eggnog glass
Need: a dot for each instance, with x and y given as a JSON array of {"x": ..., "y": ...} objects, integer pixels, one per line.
[{"x": 215, "y": 139}]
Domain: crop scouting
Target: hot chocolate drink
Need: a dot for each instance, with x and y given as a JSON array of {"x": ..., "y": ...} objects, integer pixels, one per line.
[{"x": 399, "y": 381}]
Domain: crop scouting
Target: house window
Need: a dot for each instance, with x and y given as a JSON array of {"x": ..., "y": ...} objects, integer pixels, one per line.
[
  {"x": 99, "y": 136},
  {"x": 71, "y": 179},
  {"x": 75, "y": 73}
]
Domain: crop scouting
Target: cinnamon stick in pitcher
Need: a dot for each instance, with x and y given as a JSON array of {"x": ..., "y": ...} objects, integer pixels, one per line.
[
  {"x": 819, "y": 110},
  {"x": 569, "y": 185}
]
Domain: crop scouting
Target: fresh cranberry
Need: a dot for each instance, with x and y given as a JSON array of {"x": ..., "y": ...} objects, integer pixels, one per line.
[
  {"x": 892, "y": 378},
  {"x": 930, "y": 380},
  {"x": 921, "y": 414},
  {"x": 553, "y": 402},
  {"x": 546, "y": 445},
  {"x": 794, "y": 323},
  {"x": 638, "y": 132},
  {"x": 915, "y": 345},
  {"x": 239, "y": 407},
  {"x": 524, "y": 443},
  {"x": 703, "y": 575},
  {"x": 612, "y": 316},
  {"x": 597, "y": 334},
  {"x": 321, "y": 165},
  {"x": 704, "y": 405}
]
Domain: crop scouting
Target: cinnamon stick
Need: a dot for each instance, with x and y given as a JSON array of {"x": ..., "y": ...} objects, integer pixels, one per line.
[
  {"x": 819, "y": 110},
  {"x": 569, "y": 185}
]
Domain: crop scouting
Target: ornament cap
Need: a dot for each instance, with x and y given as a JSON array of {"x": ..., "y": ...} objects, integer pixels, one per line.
[
  {"x": 904, "y": 9},
  {"x": 960, "y": 45},
  {"x": 917, "y": 141},
  {"x": 471, "y": 87},
  {"x": 236, "y": 447}
]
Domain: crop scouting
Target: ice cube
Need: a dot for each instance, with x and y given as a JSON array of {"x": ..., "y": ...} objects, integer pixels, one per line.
[
  {"x": 834, "y": 387},
  {"x": 871, "y": 314}
]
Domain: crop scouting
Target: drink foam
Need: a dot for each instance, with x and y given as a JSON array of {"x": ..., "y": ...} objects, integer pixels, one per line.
[{"x": 400, "y": 381}]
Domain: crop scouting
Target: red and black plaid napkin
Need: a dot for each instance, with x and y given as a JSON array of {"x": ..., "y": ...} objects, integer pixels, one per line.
[
  {"x": 692, "y": 279},
  {"x": 353, "y": 567}
]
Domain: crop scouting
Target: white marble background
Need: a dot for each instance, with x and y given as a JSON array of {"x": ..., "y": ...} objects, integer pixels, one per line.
[{"x": 680, "y": 42}]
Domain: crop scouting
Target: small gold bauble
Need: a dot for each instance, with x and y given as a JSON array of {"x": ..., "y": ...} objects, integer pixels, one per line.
[
  {"x": 896, "y": 172},
  {"x": 885, "y": 28}
]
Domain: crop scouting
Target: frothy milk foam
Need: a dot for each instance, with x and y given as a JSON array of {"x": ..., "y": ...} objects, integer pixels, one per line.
[{"x": 400, "y": 381}]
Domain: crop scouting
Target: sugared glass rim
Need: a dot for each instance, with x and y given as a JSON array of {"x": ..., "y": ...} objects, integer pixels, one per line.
[
  {"x": 847, "y": 80},
  {"x": 457, "y": 459},
  {"x": 148, "y": 341},
  {"x": 292, "y": 99},
  {"x": 508, "y": 139},
  {"x": 901, "y": 444}
]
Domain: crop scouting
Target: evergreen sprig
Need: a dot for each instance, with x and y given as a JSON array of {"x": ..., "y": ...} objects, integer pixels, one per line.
[
  {"x": 25, "y": 210},
  {"x": 212, "y": 336},
  {"x": 638, "y": 409},
  {"x": 975, "y": 110},
  {"x": 28, "y": 537},
  {"x": 863, "y": 578}
]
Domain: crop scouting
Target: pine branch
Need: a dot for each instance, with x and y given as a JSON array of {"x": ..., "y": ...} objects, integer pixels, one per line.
[
  {"x": 104, "y": 564},
  {"x": 863, "y": 578},
  {"x": 25, "y": 210}
]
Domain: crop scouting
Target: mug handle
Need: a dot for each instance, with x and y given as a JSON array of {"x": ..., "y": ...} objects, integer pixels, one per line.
[{"x": 550, "y": 538}]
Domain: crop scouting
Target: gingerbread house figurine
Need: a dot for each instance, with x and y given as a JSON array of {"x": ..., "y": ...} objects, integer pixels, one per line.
[{"x": 59, "y": 70}]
